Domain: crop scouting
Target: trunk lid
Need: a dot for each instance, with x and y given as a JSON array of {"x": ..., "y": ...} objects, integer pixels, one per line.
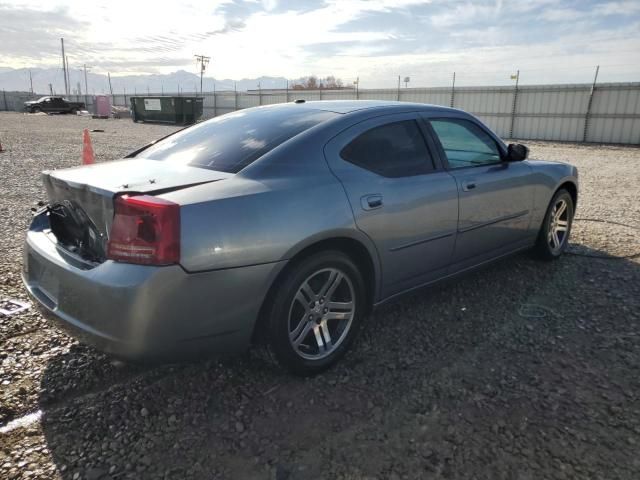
[{"x": 81, "y": 198}]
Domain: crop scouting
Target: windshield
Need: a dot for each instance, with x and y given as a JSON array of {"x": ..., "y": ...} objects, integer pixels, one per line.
[{"x": 231, "y": 142}]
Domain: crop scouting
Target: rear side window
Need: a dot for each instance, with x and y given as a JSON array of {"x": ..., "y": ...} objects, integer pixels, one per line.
[
  {"x": 465, "y": 143},
  {"x": 394, "y": 150},
  {"x": 231, "y": 142}
]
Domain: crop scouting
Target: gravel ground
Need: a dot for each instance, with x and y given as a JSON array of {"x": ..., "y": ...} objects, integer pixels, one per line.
[{"x": 523, "y": 370}]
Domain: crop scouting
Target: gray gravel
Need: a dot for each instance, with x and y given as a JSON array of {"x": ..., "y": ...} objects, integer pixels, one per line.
[{"x": 523, "y": 370}]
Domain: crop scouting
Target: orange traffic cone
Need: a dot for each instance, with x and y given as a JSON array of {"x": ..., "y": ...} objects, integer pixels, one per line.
[{"x": 87, "y": 149}]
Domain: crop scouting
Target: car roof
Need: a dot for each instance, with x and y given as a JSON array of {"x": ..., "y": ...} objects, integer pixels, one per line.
[{"x": 348, "y": 106}]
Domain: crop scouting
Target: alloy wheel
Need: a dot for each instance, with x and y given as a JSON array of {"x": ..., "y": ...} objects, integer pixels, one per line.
[
  {"x": 321, "y": 313},
  {"x": 558, "y": 225}
]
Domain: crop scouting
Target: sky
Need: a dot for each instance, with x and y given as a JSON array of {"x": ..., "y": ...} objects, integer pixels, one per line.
[{"x": 549, "y": 41}]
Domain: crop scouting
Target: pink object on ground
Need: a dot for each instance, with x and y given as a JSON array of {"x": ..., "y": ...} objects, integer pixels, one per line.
[{"x": 103, "y": 105}]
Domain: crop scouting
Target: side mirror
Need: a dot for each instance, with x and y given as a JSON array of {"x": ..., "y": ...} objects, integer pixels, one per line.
[{"x": 516, "y": 152}]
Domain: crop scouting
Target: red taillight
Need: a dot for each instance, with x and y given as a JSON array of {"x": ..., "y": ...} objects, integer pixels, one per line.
[{"x": 145, "y": 230}]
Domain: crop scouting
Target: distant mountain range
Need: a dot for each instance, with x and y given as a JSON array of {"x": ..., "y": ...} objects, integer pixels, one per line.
[{"x": 18, "y": 80}]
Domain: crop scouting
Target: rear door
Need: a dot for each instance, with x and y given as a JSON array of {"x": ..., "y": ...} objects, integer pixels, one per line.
[
  {"x": 47, "y": 105},
  {"x": 59, "y": 105},
  {"x": 496, "y": 196},
  {"x": 400, "y": 196}
]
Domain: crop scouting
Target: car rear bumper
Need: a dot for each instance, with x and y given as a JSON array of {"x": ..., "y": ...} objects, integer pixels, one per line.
[{"x": 136, "y": 311}]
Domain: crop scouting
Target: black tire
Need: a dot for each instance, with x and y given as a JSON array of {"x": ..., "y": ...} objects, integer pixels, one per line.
[
  {"x": 35, "y": 110},
  {"x": 283, "y": 304},
  {"x": 547, "y": 248}
]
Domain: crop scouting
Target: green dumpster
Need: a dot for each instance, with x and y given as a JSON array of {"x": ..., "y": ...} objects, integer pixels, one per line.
[{"x": 172, "y": 110}]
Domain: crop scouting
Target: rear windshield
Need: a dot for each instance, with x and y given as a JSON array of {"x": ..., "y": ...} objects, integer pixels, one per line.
[{"x": 231, "y": 142}]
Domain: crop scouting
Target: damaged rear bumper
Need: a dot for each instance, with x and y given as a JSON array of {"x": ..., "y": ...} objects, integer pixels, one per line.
[{"x": 137, "y": 311}]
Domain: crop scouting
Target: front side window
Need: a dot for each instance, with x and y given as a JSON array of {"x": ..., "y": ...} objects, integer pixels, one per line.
[
  {"x": 393, "y": 150},
  {"x": 231, "y": 142},
  {"x": 465, "y": 143}
]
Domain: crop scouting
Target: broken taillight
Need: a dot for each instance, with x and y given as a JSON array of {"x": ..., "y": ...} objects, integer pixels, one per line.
[{"x": 145, "y": 230}]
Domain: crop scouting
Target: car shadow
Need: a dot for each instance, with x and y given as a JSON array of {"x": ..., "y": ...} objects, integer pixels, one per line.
[{"x": 452, "y": 368}]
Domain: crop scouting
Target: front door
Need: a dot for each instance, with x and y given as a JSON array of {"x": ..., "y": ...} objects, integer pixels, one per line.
[
  {"x": 496, "y": 196},
  {"x": 401, "y": 198}
]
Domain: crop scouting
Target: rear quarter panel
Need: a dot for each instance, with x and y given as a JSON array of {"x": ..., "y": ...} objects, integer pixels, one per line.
[{"x": 264, "y": 214}]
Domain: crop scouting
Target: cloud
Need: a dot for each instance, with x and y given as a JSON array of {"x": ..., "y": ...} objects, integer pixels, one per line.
[
  {"x": 32, "y": 34},
  {"x": 617, "y": 8},
  {"x": 373, "y": 39}
]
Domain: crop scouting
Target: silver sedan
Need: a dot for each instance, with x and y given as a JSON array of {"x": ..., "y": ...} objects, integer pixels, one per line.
[{"x": 285, "y": 226}]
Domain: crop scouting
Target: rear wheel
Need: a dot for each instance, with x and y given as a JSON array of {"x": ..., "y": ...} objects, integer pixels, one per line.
[
  {"x": 556, "y": 228},
  {"x": 316, "y": 313}
]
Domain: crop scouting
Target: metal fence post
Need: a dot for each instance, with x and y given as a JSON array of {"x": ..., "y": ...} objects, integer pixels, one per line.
[
  {"x": 235, "y": 97},
  {"x": 4, "y": 94},
  {"x": 589, "y": 103},
  {"x": 453, "y": 89},
  {"x": 215, "y": 103},
  {"x": 514, "y": 105}
]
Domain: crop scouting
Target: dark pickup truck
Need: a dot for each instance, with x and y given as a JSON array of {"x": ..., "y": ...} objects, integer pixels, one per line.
[{"x": 53, "y": 105}]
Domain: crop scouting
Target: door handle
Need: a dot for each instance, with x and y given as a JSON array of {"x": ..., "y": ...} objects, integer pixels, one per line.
[
  {"x": 469, "y": 185},
  {"x": 369, "y": 202}
]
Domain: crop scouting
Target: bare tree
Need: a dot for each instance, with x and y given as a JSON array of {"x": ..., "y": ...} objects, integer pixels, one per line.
[{"x": 313, "y": 83}]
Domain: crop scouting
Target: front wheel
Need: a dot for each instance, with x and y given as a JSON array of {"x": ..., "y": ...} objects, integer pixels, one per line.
[
  {"x": 316, "y": 313},
  {"x": 556, "y": 228}
]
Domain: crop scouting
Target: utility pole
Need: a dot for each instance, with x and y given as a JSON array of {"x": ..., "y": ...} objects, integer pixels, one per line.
[
  {"x": 86, "y": 84},
  {"x": 64, "y": 68},
  {"x": 51, "y": 90},
  {"x": 110, "y": 87},
  {"x": 68, "y": 75},
  {"x": 31, "y": 82},
  {"x": 203, "y": 61},
  {"x": 398, "y": 88}
]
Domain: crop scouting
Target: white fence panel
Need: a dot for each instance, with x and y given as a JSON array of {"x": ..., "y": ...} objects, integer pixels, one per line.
[{"x": 610, "y": 113}]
